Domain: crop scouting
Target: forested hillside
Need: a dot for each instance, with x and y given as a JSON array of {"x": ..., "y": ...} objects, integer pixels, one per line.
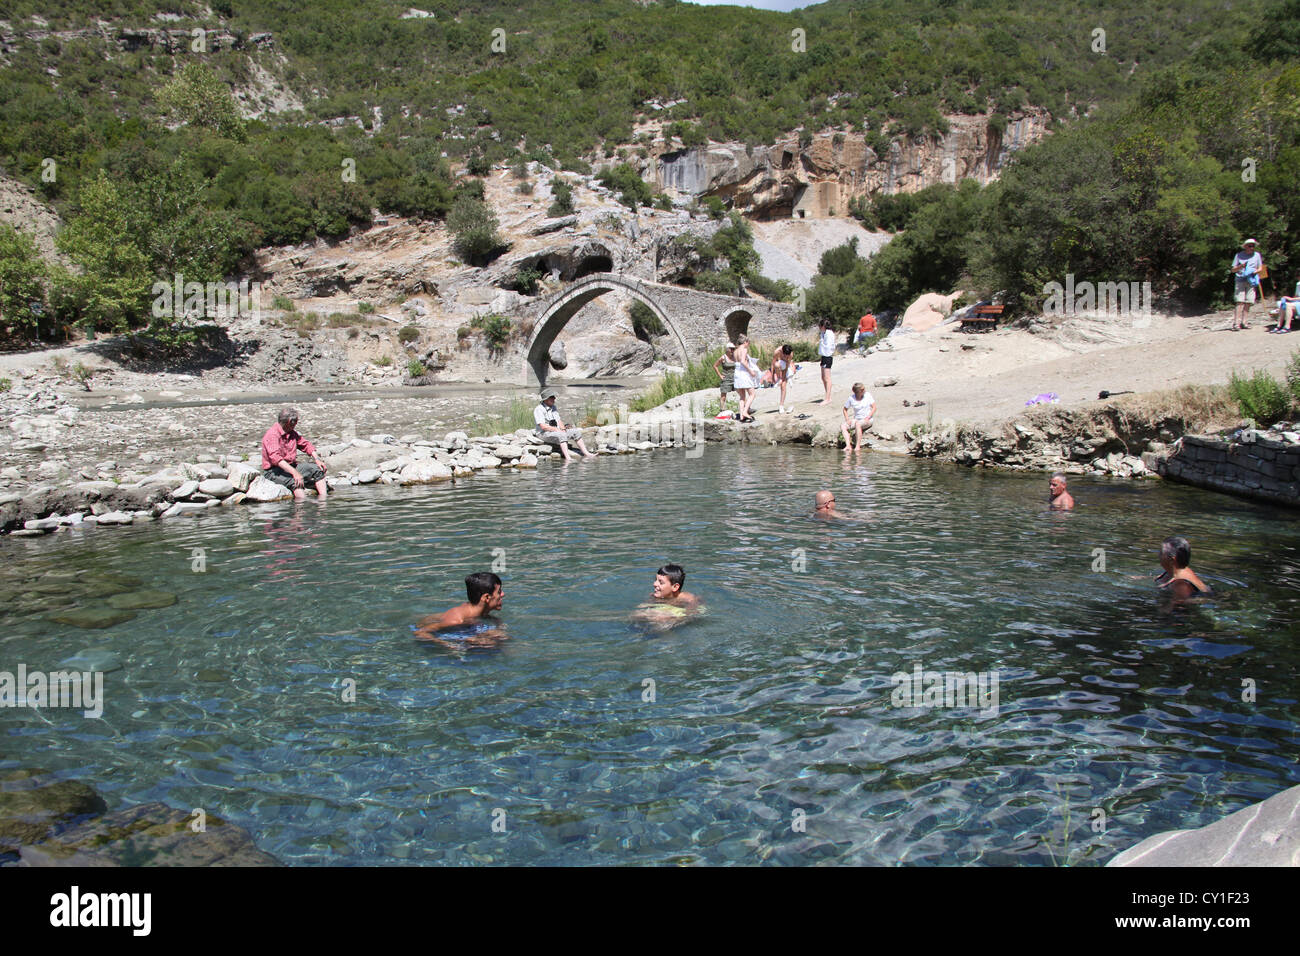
[
  {"x": 123, "y": 117},
  {"x": 1161, "y": 188}
]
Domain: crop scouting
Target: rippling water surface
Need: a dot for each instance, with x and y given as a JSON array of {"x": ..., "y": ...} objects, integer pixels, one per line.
[{"x": 771, "y": 735}]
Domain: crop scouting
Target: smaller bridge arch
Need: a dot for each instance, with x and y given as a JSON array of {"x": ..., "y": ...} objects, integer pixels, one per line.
[{"x": 735, "y": 322}]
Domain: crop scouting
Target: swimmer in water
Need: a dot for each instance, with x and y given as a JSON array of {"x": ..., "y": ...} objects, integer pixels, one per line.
[
  {"x": 1178, "y": 578},
  {"x": 824, "y": 506},
  {"x": 671, "y": 605},
  {"x": 485, "y": 594},
  {"x": 1060, "y": 498}
]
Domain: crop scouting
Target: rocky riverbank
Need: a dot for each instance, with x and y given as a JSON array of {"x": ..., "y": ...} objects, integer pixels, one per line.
[{"x": 213, "y": 480}]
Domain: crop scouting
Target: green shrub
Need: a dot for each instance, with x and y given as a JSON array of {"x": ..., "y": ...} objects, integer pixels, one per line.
[
  {"x": 721, "y": 283},
  {"x": 474, "y": 232},
  {"x": 517, "y": 414},
  {"x": 415, "y": 368},
  {"x": 347, "y": 320},
  {"x": 1260, "y": 397},
  {"x": 697, "y": 375},
  {"x": 778, "y": 290},
  {"x": 478, "y": 165},
  {"x": 384, "y": 361},
  {"x": 496, "y": 329},
  {"x": 525, "y": 281},
  {"x": 407, "y": 333},
  {"x": 81, "y": 374},
  {"x": 284, "y": 304},
  {"x": 632, "y": 190},
  {"x": 5, "y": 384},
  {"x": 715, "y": 207},
  {"x": 1293, "y": 375},
  {"x": 525, "y": 188},
  {"x": 563, "y": 202},
  {"x": 365, "y": 308}
]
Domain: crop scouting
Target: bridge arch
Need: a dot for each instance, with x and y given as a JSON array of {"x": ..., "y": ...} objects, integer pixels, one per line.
[
  {"x": 566, "y": 305},
  {"x": 736, "y": 322}
]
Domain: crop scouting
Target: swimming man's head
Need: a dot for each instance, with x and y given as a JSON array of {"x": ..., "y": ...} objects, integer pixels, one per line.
[
  {"x": 669, "y": 581},
  {"x": 484, "y": 585},
  {"x": 1176, "y": 551}
]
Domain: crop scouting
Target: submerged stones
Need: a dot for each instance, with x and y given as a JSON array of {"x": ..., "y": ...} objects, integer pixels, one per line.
[
  {"x": 151, "y": 834},
  {"x": 92, "y": 618},
  {"x": 140, "y": 600},
  {"x": 31, "y": 808}
]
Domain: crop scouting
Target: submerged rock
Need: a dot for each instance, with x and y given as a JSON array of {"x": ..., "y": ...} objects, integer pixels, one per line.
[
  {"x": 138, "y": 600},
  {"x": 152, "y": 834},
  {"x": 30, "y": 811},
  {"x": 92, "y": 617}
]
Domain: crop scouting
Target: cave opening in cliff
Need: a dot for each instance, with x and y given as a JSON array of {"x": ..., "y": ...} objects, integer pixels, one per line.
[{"x": 592, "y": 264}]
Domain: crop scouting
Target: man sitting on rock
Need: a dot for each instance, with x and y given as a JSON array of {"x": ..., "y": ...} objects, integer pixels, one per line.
[
  {"x": 280, "y": 446},
  {"x": 1060, "y": 500},
  {"x": 552, "y": 429}
]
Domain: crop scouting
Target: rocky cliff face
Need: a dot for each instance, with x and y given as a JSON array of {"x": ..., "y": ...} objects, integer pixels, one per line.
[{"x": 784, "y": 180}]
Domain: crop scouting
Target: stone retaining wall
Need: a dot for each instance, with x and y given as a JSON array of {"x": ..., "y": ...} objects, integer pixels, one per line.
[{"x": 1252, "y": 465}]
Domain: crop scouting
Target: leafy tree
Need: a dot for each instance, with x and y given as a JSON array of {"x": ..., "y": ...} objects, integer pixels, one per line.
[
  {"x": 197, "y": 97},
  {"x": 474, "y": 231},
  {"x": 839, "y": 261},
  {"x": 113, "y": 288},
  {"x": 24, "y": 286},
  {"x": 632, "y": 190}
]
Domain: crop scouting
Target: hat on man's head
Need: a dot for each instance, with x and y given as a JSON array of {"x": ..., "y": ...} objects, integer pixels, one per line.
[
  {"x": 549, "y": 393},
  {"x": 1250, "y": 242}
]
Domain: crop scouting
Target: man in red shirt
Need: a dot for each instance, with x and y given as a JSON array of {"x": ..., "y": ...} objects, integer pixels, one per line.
[
  {"x": 280, "y": 447},
  {"x": 866, "y": 329}
]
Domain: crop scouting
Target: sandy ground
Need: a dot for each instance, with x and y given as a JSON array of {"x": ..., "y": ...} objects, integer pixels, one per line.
[{"x": 987, "y": 377}]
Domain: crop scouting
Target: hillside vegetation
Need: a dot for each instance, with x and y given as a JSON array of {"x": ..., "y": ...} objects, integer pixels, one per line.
[
  {"x": 1161, "y": 188},
  {"x": 138, "y": 141}
]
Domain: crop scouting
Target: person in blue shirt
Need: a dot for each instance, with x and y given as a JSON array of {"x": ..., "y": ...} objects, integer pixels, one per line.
[{"x": 1245, "y": 270}]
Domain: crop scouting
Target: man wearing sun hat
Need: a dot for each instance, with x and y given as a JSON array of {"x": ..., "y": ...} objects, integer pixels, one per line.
[
  {"x": 1246, "y": 266},
  {"x": 552, "y": 430}
]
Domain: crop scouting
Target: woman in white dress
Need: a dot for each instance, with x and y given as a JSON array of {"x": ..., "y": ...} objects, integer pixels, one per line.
[{"x": 747, "y": 373}]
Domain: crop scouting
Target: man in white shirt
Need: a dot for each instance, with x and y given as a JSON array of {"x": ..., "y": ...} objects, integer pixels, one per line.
[
  {"x": 552, "y": 429},
  {"x": 826, "y": 350},
  {"x": 1245, "y": 269},
  {"x": 859, "y": 413}
]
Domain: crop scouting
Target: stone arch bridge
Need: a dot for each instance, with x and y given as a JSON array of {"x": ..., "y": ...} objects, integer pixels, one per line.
[{"x": 696, "y": 321}]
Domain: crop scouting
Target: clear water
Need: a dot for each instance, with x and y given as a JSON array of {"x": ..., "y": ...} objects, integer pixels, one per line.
[{"x": 771, "y": 737}]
